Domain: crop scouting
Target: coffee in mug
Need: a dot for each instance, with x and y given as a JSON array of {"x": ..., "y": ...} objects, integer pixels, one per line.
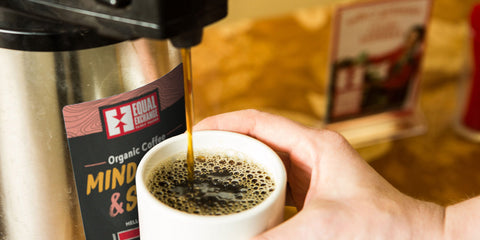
[{"x": 222, "y": 184}]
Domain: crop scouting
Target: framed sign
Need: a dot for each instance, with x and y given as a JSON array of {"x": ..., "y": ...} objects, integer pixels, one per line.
[{"x": 376, "y": 54}]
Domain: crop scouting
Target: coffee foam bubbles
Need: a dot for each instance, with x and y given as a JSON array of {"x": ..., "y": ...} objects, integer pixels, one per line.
[{"x": 223, "y": 184}]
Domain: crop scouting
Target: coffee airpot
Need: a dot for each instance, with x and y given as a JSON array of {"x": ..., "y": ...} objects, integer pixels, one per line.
[{"x": 57, "y": 53}]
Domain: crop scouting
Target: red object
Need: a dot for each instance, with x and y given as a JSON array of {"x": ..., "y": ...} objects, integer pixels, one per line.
[
  {"x": 129, "y": 234},
  {"x": 471, "y": 117}
]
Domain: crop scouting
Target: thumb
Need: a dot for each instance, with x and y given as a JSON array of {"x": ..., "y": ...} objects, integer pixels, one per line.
[{"x": 297, "y": 227}]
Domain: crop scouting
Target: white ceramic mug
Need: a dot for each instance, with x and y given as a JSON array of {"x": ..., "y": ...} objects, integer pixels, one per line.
[{"x": 159, "y": 221}]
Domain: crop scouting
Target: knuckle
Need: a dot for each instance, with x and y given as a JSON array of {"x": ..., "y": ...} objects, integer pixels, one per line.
[{"x": 333, "y": 138}]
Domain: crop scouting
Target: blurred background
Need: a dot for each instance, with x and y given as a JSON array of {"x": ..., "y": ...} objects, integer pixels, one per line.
[{"x": 273, "y": 56}]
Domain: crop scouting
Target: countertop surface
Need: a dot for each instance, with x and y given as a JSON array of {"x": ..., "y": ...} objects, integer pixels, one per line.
[{"x": 439, "y": 165}]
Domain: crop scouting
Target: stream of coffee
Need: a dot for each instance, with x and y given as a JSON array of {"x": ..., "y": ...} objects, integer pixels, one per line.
[{"x": 187, "y": 82}]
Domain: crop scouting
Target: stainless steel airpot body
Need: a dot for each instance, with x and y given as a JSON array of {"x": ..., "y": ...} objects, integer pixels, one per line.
[{"x": 55, "y": 53}]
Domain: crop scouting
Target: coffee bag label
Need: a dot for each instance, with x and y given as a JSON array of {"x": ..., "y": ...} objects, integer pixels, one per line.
[{"x": 107, "y": 139}]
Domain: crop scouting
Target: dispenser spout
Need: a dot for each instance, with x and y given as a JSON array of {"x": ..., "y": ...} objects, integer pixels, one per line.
[{"x": 187, "y": 39}]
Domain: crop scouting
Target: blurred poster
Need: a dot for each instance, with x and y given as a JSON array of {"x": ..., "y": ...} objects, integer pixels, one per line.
[{"x": 377, "y": 48}]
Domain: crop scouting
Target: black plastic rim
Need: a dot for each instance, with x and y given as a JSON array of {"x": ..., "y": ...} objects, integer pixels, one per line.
[{"x": 20, "y": 31}]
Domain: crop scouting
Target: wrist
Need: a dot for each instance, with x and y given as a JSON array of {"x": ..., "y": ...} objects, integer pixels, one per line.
[
  {"x": 427, "y": 220},
  {"x": 462, "y": 220}
]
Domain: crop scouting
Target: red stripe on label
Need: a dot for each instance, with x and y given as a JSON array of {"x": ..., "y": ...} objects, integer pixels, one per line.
[{"x": 129, "y": 234}]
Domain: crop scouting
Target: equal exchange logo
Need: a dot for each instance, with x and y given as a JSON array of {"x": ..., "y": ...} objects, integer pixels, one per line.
[{"x": 131, "y": 116}]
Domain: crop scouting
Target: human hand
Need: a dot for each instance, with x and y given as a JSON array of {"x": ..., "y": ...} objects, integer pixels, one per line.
[{"x": 338, "y": 194}]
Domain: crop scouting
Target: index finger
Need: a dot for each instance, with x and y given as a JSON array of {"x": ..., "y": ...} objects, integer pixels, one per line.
[{"x": 281, "y": 134}]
